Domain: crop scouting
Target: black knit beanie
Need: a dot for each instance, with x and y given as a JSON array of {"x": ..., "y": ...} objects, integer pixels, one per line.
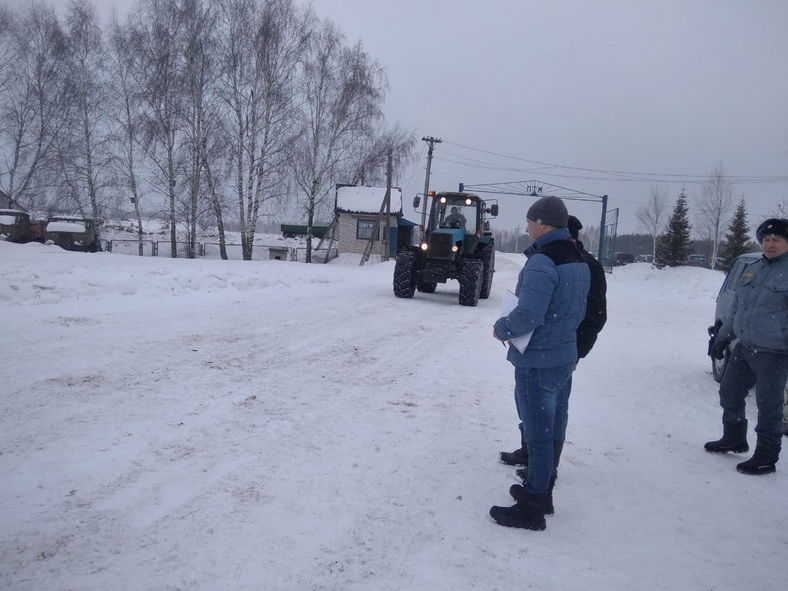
[{"x": 549, "y": 211}]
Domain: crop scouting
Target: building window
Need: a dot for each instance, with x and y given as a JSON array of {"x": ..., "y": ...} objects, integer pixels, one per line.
[{"x": 366, "y": 229}]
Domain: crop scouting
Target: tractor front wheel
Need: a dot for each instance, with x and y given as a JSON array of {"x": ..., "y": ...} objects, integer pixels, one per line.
[
  {"x": 471, "y": 282},
  {"x": 404, "y": 281}
]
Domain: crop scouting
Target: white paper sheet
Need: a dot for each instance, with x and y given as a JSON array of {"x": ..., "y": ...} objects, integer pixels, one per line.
[{"x": 508, "y": 304}]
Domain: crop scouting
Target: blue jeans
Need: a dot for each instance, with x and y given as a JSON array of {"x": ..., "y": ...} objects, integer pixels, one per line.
[
  {"x": 767, "y": 372},
  {"x": 542, "y": 399}
]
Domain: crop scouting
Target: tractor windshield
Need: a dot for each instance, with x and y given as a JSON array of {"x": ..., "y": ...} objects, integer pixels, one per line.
[{"x": 457, "y": 214}]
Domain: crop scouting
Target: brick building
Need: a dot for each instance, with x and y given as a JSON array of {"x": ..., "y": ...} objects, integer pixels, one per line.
[{"x": 357, "y": 209}]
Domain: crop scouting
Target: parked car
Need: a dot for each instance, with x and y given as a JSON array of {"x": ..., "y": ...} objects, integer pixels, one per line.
[
  {"x": 622, "y": 258},
  {"x": 644, "y": 258},
  {"x": 74, "y": 233},
  {"x": 14, "y": 225},
  {"x": 724, "y": 305},
  {"x": 697, "y": 260}
]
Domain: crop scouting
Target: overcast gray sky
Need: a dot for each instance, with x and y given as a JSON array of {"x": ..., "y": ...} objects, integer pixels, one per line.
[{"x": 670, "y": 87}]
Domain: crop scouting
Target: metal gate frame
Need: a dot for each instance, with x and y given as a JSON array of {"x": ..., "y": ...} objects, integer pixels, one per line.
[{"x": 608, "y": 225}]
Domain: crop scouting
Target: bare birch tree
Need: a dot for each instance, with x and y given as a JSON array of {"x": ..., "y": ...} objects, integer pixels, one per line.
[
  {"x": 197, "y": 45},
  {"x": 155, "y": 34},
  {"x": 714, "y": 209},
  {"x": 88, "y": 87},
  {"x": 262, "y": 45},
  {"x": 33, "y": 103},
  {"x": 126, "y": 119},
  {"x": 652, "y": 215},
  {"x": 781, "y": 209},
  {"x": 212, "y": 151},
  {"x": 7, "y": 50},
  {"x": 372, "y": 157},
  {"x": 343, "y": 93}
]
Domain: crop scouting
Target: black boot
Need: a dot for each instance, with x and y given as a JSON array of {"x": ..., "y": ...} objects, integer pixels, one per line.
[
  {"x": 762, "y": 461},
  {"x": 734, "y": 439},
  {"x": 517, "y": 490},
  {"x": 518, "y": 457},
  {"x": 528, "y": 513}
]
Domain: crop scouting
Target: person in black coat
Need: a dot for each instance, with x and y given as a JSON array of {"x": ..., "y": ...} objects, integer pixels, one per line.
[{"x": 596, "y": 305}]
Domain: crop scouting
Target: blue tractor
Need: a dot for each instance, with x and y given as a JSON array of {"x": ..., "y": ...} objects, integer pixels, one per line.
[{"x": 456, "y": 244}]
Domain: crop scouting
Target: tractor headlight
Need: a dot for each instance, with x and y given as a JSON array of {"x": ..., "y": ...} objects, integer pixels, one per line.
[
  {"x": 455, "y": 248},
  {"x": 443, "y": 199},
  {"x": 468, "y": 202},
  {"x": 424, "y": 246}
]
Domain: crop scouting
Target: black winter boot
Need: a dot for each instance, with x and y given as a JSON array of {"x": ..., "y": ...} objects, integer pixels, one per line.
[
  {"x": 734, "y": 439},
  {"x": 518, "y": 457},
  {"x": 528, "y": 513},
  {"x": 763, "y": 460},
  {"x": 517, "y": 490}
]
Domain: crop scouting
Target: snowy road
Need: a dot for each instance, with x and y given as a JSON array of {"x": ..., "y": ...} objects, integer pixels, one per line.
[{"x": 266, "y": 425}]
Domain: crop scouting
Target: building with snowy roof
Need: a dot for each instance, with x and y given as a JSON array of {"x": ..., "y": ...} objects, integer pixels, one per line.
[{"x": 358, "y": 219}]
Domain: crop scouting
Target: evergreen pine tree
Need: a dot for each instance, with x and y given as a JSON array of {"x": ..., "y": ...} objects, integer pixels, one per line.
[
  {"x": 737, "y": 238},
  {"x": 674, "y": 245}
]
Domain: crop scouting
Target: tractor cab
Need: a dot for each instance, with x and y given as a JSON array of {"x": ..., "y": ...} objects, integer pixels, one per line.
[{"x": 457, "y": 243}]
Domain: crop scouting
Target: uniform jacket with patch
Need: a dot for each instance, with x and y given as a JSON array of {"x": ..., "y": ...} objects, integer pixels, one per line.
[{"x": 759, "y": 316}]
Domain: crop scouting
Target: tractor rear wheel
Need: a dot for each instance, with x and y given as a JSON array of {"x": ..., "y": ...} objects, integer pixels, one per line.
[
  {"x": 488, "y": 260},
  {"x": 404, "y": 281},
  {"x": 470, "y": 282}
]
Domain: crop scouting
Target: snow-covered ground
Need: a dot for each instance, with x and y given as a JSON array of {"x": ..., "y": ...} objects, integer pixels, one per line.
[{"x": 203, "y": 424}]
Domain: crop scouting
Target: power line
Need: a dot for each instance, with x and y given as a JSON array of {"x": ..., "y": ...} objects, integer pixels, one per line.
[
  {"x": 578, "y": 176},
  {"x": 627, "y": 176}
]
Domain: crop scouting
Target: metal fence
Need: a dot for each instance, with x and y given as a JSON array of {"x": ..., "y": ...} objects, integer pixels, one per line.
[
  {"x": 208, "y": 250},
  {"x": 318, "y": 256}
]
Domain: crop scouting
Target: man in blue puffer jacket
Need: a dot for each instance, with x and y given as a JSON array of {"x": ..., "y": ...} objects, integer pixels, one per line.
[{"x": 552, "y": 290}]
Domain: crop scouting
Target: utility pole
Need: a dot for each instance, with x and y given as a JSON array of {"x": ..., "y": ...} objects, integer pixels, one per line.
[
  {"x": 387, "y": 235},
  {"x": 431, "y": 141},
  {"x": 601, "y": 252}
]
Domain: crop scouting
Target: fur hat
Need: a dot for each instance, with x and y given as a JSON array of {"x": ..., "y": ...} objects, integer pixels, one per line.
[
  {"x": 574, "y": 226},
  {"x": 549, "y": 211},
  {"x": 775, "y": 226}
]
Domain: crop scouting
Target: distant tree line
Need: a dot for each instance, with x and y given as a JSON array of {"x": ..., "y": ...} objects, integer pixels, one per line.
[
  {"x": 518, "y": 240},
  {"x": 724, "y": 230},
  {"x": 721, "y": 229},
  {"x": 198, "y": 111}
]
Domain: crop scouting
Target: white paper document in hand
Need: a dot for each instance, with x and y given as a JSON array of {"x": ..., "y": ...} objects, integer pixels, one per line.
[{"x": 508, "y": 304}]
